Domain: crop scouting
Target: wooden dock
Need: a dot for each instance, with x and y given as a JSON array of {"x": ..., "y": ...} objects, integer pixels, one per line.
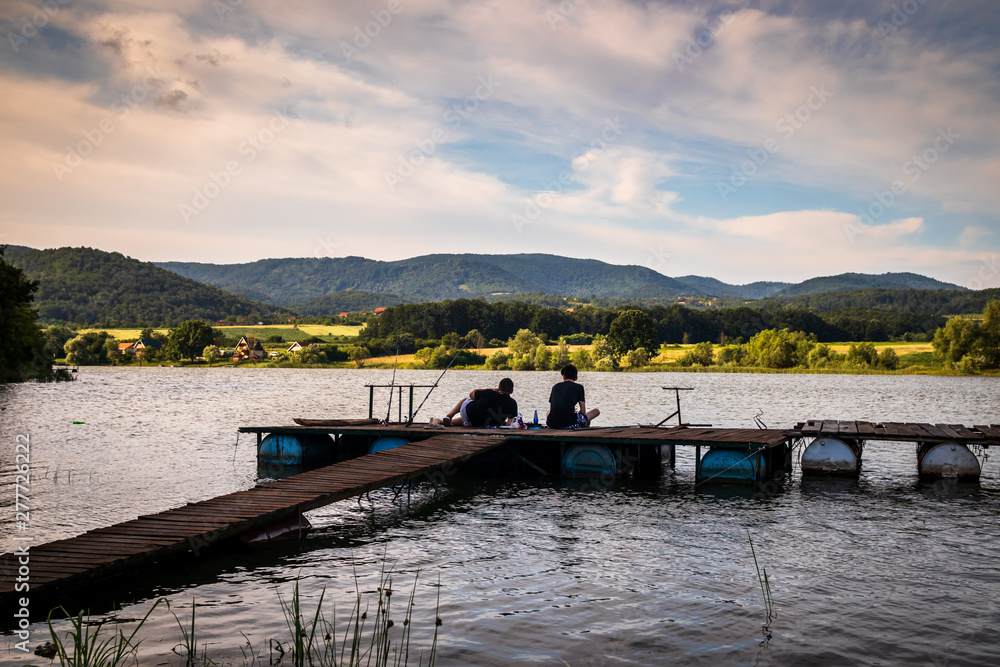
[
  {"x": 899, "y": 431},
  {"x": 57, "y": 566}
]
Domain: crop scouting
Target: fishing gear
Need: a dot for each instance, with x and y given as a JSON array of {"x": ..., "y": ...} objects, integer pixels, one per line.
[
  {"x": 409, "y": 422},
  {"x": 392, "y": 385}
]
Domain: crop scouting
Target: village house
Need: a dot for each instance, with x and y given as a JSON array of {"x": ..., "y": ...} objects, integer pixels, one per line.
[
  {"x": 244, "y": 350},
  {"x": 138, "y": 347},
  {"x": 296, "y": 346}
]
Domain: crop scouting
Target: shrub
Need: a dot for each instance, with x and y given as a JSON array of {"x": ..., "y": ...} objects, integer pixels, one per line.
[
  {"x": 498, "y": 361},
  {"x": 637, "y": 358}
]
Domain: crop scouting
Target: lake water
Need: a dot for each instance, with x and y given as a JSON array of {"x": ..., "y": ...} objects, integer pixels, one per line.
[{"x": 878, "y": 570}]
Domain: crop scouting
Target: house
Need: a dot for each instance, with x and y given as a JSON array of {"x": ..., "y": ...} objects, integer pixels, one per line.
[
  {"x": 344, "y": 314},
  {"x": 296, "y": 346},
  {"x": 244, "y": 350},
  {"x": 138, "y": 347},
  {"x": 379, "y": 311}
]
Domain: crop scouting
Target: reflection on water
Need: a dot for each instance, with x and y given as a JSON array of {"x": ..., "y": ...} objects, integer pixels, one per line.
[{"x": 881, "y": 568}]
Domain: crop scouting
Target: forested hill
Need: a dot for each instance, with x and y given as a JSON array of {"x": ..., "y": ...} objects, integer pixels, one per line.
[
  {"x": 864, "y": 281},
  {"x": 85, "y": 286},
  {"x": 926, "y": 301},
  {"x": 291, "y": 281},
  {"x": 432, "y": 277}
]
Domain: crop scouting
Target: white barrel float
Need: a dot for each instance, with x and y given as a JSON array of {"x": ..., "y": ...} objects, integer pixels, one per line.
[
  {"x": 726, "y": 465},
  {"x": 832, "y": 456},
  {"x": 589, "y": 461},
  {"x": 388, "y": 442},
  {"x": 296, "y": 448},
  {"x": 947, "y": 459}
]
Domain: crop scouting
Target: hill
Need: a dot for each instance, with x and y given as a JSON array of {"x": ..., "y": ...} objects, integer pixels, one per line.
[
  {"x": 925, "y": 301},
  {"x": 863, "y": 281},
  {"x": 713, "y": 287},
  {"x": 297, "y": 282},
  {"x": 287, "y": 282},
  {"x": 87, "y": 286}
]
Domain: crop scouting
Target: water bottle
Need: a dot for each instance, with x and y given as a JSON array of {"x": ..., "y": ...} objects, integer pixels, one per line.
[
  {"x": 535, "y": 420},
  {"x": 520, "y": 421}
]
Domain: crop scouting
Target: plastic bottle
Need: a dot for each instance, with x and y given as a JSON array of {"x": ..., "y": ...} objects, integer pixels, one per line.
[
  {"x": 520, "y": 421},
  {"x": 535, "y": 420}
]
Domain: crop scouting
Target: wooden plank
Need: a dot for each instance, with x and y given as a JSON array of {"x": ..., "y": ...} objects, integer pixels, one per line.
[
  {"x": 933, "y": 431},
  {"x": 866, "y": 428},
  {"x": 950, "y": 433}
]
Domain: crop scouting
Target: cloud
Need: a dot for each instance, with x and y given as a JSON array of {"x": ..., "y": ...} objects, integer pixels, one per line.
[{"x": 184, "y": 90}]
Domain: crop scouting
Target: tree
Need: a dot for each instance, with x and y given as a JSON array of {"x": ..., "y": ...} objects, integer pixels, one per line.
[
  {"x": 89, "y": 349},
  {"x": 211, "y": 354},
  {"x": 990, "y": 334},
  {"x": 189, "y": 339},
  {"x": 862, "y": 354},
  {"x": 22, "y": 346},
  {"x": 55, "y": 339},
  {"x": 359, "y": 355},
  {"x": 632, "y": 330},
  {"x": 524, "y": 343},
  {"x": 958, "y": 338}
]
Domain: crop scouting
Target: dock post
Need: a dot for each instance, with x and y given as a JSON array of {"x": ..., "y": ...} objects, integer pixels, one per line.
[
  {"x": 673, "y": 457},
  {"x": 371, "y": 401},
  {"x": 697, "y": 463},
  {"x": 411, "y": 403}
]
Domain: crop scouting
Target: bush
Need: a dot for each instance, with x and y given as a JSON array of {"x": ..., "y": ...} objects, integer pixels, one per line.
[
  {"x": 731, "y": 355},
  {"x": 637, "y": 358},
  {"x": 498, "y": 361},
  {"x": 577, "y": 339},
  {"x": 523, "y": 364},
  {"x": 888, "y": 360},
  {"x": 702, "y": 354},
  {"x": 583, "y": 359},
  {"x": 862, "y": 355},
  {"x": 275, "y": 338},
  {"x": 606, "y": 364}
]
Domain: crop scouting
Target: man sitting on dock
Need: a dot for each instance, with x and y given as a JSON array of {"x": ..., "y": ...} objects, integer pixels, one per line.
[
  {"x": 485, "y": 407},
  {"x": 563, "y": 400}
]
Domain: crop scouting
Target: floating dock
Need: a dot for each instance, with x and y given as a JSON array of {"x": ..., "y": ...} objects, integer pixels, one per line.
[
  {"x": 361, "y": 455},
  {"x": 55, "y": 567}
]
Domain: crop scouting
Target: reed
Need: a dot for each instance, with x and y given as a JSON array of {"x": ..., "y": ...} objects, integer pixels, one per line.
[
  {"x": 189, "y": 644},
  {"x": 762, "y": 579},
  {"x": 87, "y": 645}
]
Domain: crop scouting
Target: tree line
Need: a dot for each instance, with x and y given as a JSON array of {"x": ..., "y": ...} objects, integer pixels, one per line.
[{"x": 673, "y": 324}]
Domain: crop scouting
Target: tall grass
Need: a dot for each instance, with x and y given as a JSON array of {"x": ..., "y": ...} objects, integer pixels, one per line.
[
  {"x": 370, "y": 636},
  {"x": 765, "y": 587},
  {"x": 86, "y": 644}
]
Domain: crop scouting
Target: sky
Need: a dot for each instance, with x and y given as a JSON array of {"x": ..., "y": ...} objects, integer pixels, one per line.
[{"x": 740, "y": 139}]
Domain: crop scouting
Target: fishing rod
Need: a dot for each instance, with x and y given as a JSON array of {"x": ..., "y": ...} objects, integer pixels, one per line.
[
  {"x": 392, "y": 385},
  {"x": 409, "y": 422}
]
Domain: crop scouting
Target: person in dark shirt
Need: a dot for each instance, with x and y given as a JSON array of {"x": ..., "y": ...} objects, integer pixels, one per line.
[
  {"x": 564, "y": 398},
  {"x": 485, "y": 407}
]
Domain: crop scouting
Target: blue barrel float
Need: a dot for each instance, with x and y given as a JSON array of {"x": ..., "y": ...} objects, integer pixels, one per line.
[
  {"x": 725, "y": 465},
  {"x": 296, "y": 448},
  {"x": 588, "y": 461},
  {"x": 388, "y": 442}
]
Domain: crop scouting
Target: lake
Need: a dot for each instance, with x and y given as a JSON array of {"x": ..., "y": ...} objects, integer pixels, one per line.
[{"x": 883, "y": 569}]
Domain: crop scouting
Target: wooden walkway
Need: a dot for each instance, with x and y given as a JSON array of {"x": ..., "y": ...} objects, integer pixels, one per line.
[
  {"x": 603, "y": 434},
  {"x": 899, "y": 431},
  {"x": 57, "y": 566}
]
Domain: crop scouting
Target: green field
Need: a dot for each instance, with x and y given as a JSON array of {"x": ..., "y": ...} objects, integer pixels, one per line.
[{"x": 289, "y": 334}]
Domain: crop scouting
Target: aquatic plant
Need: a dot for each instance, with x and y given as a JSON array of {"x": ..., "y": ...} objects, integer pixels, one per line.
[
  {"x": 90, "y": 647},
  {"x": 189, "y": 644},
  {"x": 765, "y": 584}
]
